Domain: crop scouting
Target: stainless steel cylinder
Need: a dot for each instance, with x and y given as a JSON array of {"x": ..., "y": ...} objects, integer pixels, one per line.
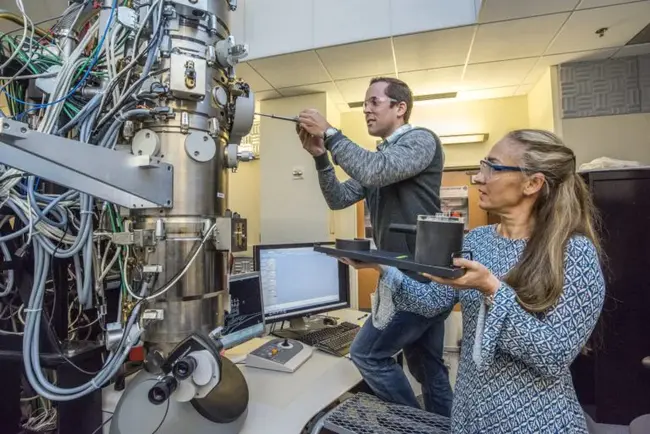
[
  {"x": 195, "y": 302},
  {"x": 194, "y": 142}
]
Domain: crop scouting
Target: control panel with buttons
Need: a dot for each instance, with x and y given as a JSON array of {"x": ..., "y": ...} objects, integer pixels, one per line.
[{"x": 284, "y": 355}]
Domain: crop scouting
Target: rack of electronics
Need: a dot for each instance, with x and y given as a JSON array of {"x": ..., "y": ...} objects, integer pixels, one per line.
[{"x": 120, "y": 121}]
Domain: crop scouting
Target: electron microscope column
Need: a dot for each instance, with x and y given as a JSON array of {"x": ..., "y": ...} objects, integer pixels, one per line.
[{"x": 194, "y": 142}]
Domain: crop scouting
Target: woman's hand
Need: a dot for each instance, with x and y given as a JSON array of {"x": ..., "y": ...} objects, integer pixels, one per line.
[
  {"x": 360, "y": 265},
  {"x": 476, "y": 276}
]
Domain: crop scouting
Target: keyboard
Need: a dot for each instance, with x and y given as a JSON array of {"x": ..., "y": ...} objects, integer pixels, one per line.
[
  {"x": 339, "y": 345},
  {"x": 335, "y": 340}
]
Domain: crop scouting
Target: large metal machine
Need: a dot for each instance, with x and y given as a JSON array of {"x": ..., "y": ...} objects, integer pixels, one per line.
[{"x": 138, "y": 165}]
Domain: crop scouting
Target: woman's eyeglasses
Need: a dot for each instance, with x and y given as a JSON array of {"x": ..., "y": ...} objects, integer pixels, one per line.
[{"x": 488, "y": 169}]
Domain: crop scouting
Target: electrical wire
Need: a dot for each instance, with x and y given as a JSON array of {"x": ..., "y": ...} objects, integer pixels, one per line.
[
  {"x": 99, "y": 428},
  {"x": 92, "y": 63},
  {"x": 65, "y": 225},
  {"x": 166, "y": 287}
]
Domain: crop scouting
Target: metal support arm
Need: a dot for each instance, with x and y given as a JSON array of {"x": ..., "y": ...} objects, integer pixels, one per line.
[{"x": 114, "y": 176}]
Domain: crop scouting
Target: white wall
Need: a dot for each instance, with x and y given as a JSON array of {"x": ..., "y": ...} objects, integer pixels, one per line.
[
  {"x": 292, "y": 210},
  {"x": 273, "y": 27},
  {"x": 541, "y": 105},
  {"x": 244, "y": 198},
  {"x": 343, "y": 223},
  {"x": 625, "y": 137}
]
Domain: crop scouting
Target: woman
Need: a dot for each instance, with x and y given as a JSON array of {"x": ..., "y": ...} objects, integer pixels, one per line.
[{"x": 531, "y": 297}]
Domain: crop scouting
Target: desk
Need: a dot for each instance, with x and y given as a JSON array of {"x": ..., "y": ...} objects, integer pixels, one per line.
[{"x": 284, "y": 403}]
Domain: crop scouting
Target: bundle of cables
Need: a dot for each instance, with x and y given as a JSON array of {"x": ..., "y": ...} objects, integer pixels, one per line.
[{"x": 70, "y": 224}]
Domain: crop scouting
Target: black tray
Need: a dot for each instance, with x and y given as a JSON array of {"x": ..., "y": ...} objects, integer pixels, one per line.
[{"x": 403, "y": 262}]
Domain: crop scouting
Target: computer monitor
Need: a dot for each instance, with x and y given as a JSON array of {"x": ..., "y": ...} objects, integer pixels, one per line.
[
  {"x": 245, "y": 317},
  {"x": 297, "y": 281}
]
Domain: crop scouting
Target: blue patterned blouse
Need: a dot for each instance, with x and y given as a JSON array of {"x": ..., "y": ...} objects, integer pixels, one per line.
[{"x": 514, "y": 367}]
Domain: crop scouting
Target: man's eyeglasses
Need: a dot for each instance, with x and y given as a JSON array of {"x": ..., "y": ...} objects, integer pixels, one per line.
[
  {"x": 375, "y": 102},
  {"x": 488, "y": 169}
]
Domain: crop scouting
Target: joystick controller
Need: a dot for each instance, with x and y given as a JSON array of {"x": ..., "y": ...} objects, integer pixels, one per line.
[{"x": 284, "y": 355}]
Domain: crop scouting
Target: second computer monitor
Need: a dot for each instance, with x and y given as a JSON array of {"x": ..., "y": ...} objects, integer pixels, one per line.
[
  {"x": 245, "y": 315},
  {"x": 297, "y": 281}
]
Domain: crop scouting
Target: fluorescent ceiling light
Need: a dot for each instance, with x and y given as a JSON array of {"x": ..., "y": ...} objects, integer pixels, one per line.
[{"x": 464, "y": 138}]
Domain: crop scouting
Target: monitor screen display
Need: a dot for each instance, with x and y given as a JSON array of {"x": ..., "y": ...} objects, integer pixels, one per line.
[
  {"x": 297, "y": 281},
  {"x": 245, "y": 318}
]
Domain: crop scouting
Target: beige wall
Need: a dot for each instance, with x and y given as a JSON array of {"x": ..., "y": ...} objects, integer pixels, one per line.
[
  {"x": 343, "y": 222},
  {"x": 540, "y": 104},
  {"x": 245, "y": 198},
  {"x": 292, "y": 210},
  {"x": 625, "y": 137},
  {"x": 493, "y": 116}
]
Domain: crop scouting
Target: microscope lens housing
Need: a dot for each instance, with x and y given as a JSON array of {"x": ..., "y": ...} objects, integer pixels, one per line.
[{"x": 184, "y": 368}]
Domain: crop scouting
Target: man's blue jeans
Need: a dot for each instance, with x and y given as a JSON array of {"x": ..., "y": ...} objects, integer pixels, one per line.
[{"x": 422, "y": 340}]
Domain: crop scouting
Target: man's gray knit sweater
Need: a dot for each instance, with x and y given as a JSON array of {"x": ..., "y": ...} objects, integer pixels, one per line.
[{"x": 399, "y": 181}]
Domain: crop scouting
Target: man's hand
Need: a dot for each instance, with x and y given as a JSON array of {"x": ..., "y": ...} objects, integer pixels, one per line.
[
  {"x": 313, "y": 122},
  {"x": 312, "y": 144}
]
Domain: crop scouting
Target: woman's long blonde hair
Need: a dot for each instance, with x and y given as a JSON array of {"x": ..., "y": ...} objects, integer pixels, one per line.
[{"x": 563, "y": 209}]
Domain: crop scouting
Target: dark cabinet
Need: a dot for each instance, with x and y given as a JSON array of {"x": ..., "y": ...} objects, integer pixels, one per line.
[{"x": 611, "y": 380}]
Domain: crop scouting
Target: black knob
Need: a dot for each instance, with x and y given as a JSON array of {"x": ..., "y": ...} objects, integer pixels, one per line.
[
  {"x": 153, "y": 362},
  {"x": 162, "y": 390},
  {"x": 184, "y": 368}
]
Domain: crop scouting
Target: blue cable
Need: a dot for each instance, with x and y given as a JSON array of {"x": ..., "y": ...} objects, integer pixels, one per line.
[{"x": 93, "y": 62}]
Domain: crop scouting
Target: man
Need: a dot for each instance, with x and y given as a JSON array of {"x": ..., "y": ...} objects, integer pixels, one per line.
[{"x": 399, "y": 181}]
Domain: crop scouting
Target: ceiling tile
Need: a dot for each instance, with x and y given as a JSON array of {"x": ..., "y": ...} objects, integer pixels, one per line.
[
  {"x": 430, "y": 50},
  {"x": 250, "y": 76},
  {"x": 329, "y": 88},
  {"x": 587, "y": 4},
  {"x": 557, "y": 59},
  {"x": 623, "y": 22},
  {"x": 497, "y": 74},
  {"x": 331, "y": 27},
  {"x": 515, "y": 39},
  {"x": 268, "y": 94},
  {"x": 581, "y": 56},
  {"x": 434, "y": 80},
  {"x": 499, "y": 10},
  {"x": 500, "y": 92},
  {"x": 524, "y": 89},
  {"x": 293, "y": 69},
  {"x": 364, "y": 59},
  {"x": 354, "y": 90},
  {"x": 633, "y": 50}
]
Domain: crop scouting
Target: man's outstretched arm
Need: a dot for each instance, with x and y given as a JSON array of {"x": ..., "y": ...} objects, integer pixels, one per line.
[
  {"x": 338, "y": 195},
  {"x": 406, "y": 158}
]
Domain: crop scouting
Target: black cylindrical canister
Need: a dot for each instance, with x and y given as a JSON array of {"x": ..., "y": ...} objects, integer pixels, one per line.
[{"x": 439, "y": 238}]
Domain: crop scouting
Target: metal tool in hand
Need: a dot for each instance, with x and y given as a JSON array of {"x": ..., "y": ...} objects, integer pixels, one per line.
[{"x": 282, "y": 118}]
